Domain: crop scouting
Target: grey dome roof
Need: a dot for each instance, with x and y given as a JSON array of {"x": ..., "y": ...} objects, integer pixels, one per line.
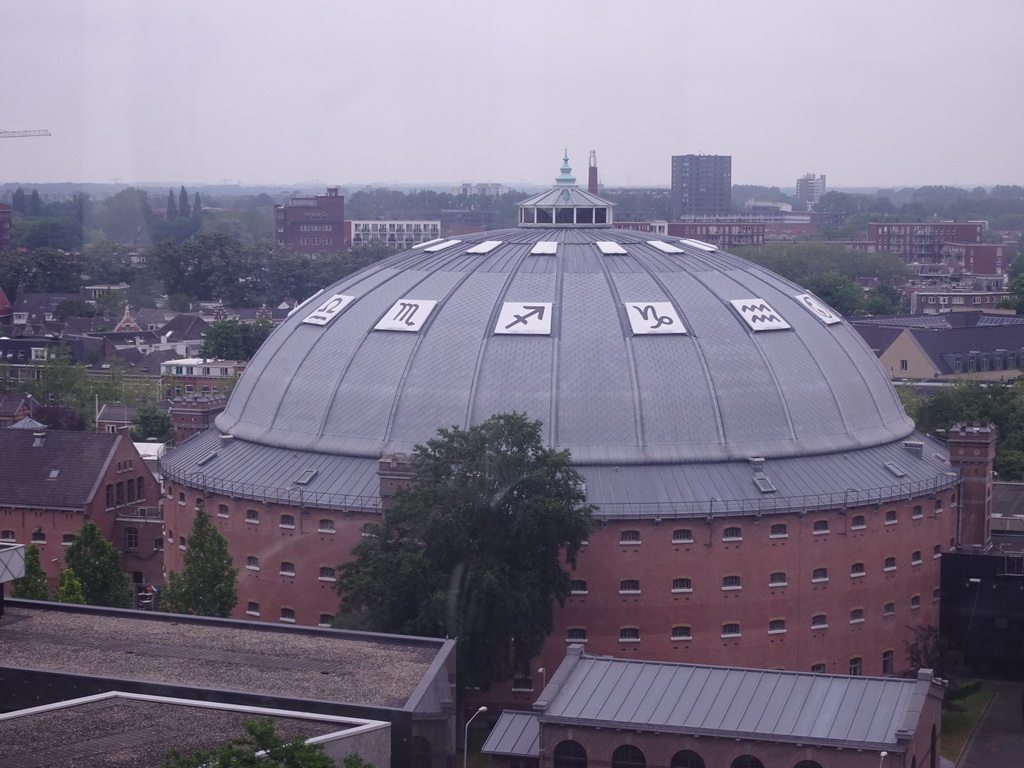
[{"x": 628, "y": 347}]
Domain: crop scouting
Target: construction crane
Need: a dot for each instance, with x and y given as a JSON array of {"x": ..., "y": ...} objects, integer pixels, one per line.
[{"x": 20, "y": 134}]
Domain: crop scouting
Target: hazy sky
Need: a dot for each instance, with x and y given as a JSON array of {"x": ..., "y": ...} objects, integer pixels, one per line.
[{"x": 870, "y": 93}]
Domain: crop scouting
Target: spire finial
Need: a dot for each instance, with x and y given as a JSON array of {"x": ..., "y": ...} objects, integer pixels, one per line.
[{"x": 565, "y": 178}]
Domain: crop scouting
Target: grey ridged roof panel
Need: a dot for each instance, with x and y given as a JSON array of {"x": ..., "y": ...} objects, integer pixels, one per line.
[
  {"x": 565, "y": 196},
  {"x": 718, "y": 392},
  {"x": 851, "y": 712},
  {"x": 515, "y": 733}
]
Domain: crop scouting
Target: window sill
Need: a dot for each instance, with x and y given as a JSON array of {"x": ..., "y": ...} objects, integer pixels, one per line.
[
  {"x": 331, "y": 579},
  {"x": 858, "y": 575},
  {"x": 575, "y": 640},
  {"x": 916, "y": 562},
  {"x": 221, "y": 514},
  {"x": 629, "y": 591},
  {"x": 728, "y": 637},
  {"x": 252, "y": 613},
  {"x": 251, "y": 521},
  {"x": 686, "y": 639},
  {"x": 625, "y": 544},
  {"x": 889, "y": 569},
  {"x": 286, "y": 573},
  {"x": 891, "y": 522},
  {"x": 778, "y": 584},
  {"x": 856, "y": 621},
  {"x": 820, "y": 533},
  {"x": 629, "y": 639},
  {"x": 778, "y": 536},
  {"x": 682, "y": 541},
  {"x": 731, "y": 589},
  {"x": 579, "y": 593},
  {"x": 818, "y": 581},
  {"x": 252, "y": 567},
  {"x": 288, "y": 527},
  {"x": 287, "y": 621},
  {"x": 737, "y": 538},
  {"x": 681, "y": 591},
  {"x": 776, "y": 631},
  {"x": 857, "y": 527},
  {"x": 818, "y": 626},
  {"x": 323, "y": 530}
]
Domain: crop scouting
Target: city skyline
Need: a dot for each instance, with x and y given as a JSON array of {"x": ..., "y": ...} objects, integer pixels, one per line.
[{"x": 386, "y": 93}]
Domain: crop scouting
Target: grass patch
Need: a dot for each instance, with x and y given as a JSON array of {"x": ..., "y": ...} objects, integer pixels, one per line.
[{"x": 957, "y": 726}]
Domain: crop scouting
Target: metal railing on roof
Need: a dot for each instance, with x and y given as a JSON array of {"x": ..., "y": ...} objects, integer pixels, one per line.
[
  {"x": 294, "y": 497},
  {"x": 144, "y": 514},
  {"x": 775, "y": 505}
]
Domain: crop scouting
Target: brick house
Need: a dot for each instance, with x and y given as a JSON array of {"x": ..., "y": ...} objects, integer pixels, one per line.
[{"x": 52, "y": 482}]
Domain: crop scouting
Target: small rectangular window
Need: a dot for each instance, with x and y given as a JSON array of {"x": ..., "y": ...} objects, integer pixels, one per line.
[
  {"x": 776, "y": 626},
  {"x": 682, "y": 536},
  {"x": 778, "y": 531},
  {"x": 578, "y": 587},
  {"x": 681, "y": 632},
  {"x": 857, "y": 523},
  {"x": 732, "y": 533},
  {"x": 731, "y": 629},
  {"x": 820, "y": 526},
  {"x": 629, "y": 537},
  {"x": 252, "y": 609},
  {"x": 629, "y": 635},
  {"x": 819, "y": 575},
  {"x": 819, "y": 621},
  {"x": 576, "y": 635},
  {"x": 856, "y": 615},
  {"x": 889, "y": 609},
  {"x": 682, "y": 585}
]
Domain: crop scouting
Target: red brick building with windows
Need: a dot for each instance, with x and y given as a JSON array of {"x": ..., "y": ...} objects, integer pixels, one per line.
[
  {"x": 922, "y": 242},
  {"x": 6, "y": 228},
  {"x": 52, "y": 482},
  {"x": 312, "y": 223},
  {"x": 976, "y": 258}
]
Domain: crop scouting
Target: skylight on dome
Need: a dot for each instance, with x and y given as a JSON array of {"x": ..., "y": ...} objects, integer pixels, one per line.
[
  {"x": 442, "y": 246},
  {"x": 485, "y": 247},
  {"x": 664, "y": 247},
  {"x": 700, "y": 245},
  {"x": 544, "y": 248},
  {"x": 608, "y": 248}
]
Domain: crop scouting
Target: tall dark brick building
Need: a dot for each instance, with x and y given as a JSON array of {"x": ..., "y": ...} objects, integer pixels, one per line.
[
  {"x": 701, "y": 185},
  {"x": 312, "y": 223}
]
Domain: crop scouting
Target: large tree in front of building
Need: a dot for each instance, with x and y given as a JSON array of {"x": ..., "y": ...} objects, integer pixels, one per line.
[
  {"x": 206, "y": 585},
  {"x": 475, "y": 549},
  {"x": 97, "y": 564},
  {"x": 31, "y": 586},
  {"x": 152, "y": 421}
]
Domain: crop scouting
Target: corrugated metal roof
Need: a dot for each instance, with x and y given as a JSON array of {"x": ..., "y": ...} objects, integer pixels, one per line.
[
  {"x": 515, "y": 733},
  {"x": 853, "y": 712},
  {"x": 651, "y": 419}
]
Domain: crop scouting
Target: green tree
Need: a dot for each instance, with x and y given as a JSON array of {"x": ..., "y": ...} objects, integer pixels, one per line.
[
  {"x": 172, "y": 205},
  {"x": 475, "y": 548},
  {"x": 19, "y": 202},
  {"x": 127, "y": 217},
  {"x": 152, "y": 421},
  {"x": 838, "y": 291},
  {"x": 97, "y": 565},
  {"x": 233, "y": 340},
  {"x": 63, "y": 383},
  {"x": 35, "y": 204},
  {"x": 31, "y": 586},
  {"x": 183, "y": 208},
  {"x": 930, "y": 650},
  {"x": 70, "y": 588},
  {"x": 260, "y": 747},
  {"x": 74, "y": 308},
  {"x": 206, "y": 586}
]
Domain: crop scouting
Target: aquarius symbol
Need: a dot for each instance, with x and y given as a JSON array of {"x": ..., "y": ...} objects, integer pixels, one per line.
[
  {"x": 538, "y": 311},
  {"x": 650, "y": 313},
  {"x": 406, "y": 311},
  {"x": 764, "y": 319},
  {"x": 755, "y": 308}
]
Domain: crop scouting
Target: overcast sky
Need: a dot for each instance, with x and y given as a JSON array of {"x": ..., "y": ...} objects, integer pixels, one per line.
[{"x": 870, "y": 93}]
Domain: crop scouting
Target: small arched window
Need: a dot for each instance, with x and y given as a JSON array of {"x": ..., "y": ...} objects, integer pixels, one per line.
[
  {"x": 222, "y": 510},
  {"x": 821, "y": 526},
  {"x": 628, "y": 756},
  {"x": 578, "y": 587},
  {"x": 629, "y": 634},
  {"x": 682, "y": 585},
  {"x": 732, "y": 533},
  {"x": 629, "y": 586},
  {"x": 570, "y": 754},
  {"x": 747, "y": 761},
  {"x": 629, "y": 537},
  {"x": 252, "y": 563},
  {"x": 576, "y": 634},
  {"x": 731, "y": 629},
  {"x": 777, "y": 579},
  {"x": 326, "y": 619},
  {"x": 7, "y": 535},
  {"x": 778, "y": 531},
  {"x": 681, "y": 632},
  {"x": 731, "y": 582},
  {"x": 682, "y": 536},
  {"x": 252, "y": 609},
  {"x": 687, "y": 759},
  {"x": 327, "y": 574},
  {"x": 287, "y": 521},
  {"x": 819, "y": 621},
  {"x": 287, "y": 569},
  {"x": 819, "y": 574},
  {"x": 325, "y": 526}
]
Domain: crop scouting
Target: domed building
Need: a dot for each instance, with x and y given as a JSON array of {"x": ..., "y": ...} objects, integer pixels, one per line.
[{"x": 763, "y": 498}]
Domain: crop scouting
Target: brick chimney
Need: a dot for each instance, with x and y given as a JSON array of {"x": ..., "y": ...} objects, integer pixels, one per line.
[{"x": 972, "y": 450}]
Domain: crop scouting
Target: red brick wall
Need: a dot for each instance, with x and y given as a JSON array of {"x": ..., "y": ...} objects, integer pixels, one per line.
[{"x": 304, "y": 545}]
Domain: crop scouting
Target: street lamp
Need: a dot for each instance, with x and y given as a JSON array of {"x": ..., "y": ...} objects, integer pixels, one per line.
[
  {"x": 881, "y": 758},
  {"x": 544, "y": 672},
  {"x": 465, "y": 738}
]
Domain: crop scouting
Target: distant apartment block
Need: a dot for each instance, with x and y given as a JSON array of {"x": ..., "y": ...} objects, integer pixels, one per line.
[
  {"x": 810, "y": 188},
  {"x": 701, "y": 184},
  {"x": 395, "y": 234},
  {"x": 725, "y": 235},
  {"x": 6, "y": 228},
  {"x": 976, "y": 258},
  {"x": 938, "y": 300},
  {"x": 488, "y": 189},
  {"x": 312, "y": 223},
  {"x": 197, "y": 375},
  {"x": 921, "y": 242}
]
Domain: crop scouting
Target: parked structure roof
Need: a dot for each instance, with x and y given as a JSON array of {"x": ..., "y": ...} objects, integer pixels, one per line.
[{"x": 827, "y": 710}]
